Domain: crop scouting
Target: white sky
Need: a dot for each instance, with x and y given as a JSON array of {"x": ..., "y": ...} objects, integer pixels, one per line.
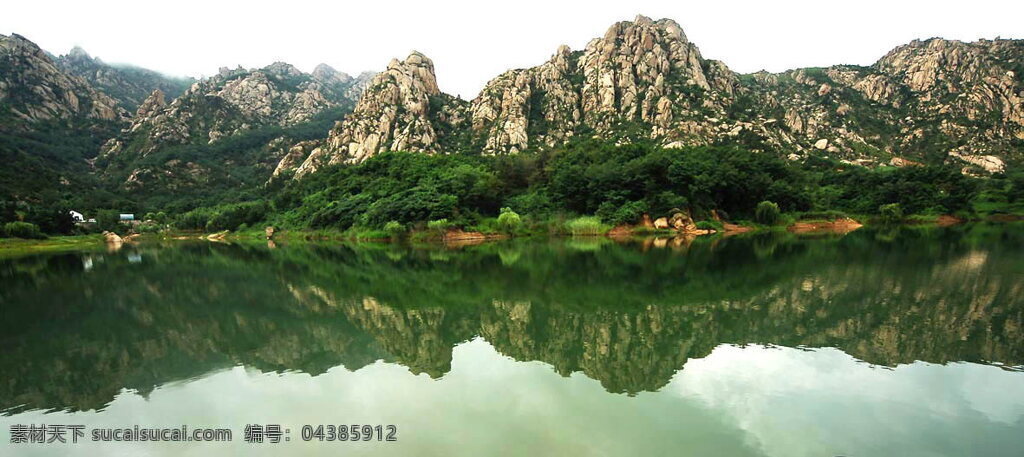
[{"x": 473, "y": 41}]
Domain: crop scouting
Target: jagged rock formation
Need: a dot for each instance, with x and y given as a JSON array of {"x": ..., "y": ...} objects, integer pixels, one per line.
[
  {"x": 33, "y": 88},
  {"x": 291, "y": 155},
  {"x": 130, "y": 86},
  {"x": 229, "y": 103},
  {"x": 928, "y": 98},
  {"x": 503, "y": 110},
  {"x": 351, "y": 87},
  {"x": 936, "y": 99},
  {"x": 401, "y": 109}
]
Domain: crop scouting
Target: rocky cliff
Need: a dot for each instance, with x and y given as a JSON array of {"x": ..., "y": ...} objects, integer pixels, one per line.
[{"x": 936, "y": 100}]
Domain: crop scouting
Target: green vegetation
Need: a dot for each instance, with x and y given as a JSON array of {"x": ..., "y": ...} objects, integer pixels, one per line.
[
  {"x": 767, "y": 213},
  {"x": 22, "y": 230},
  {"x": 394, "y": 228},
  {"x": 891, "y": 213},
  {"x": 439, "y": 225},
  {"x": 14, "y": 247},
  {"x": 586, "y": 225},
  {"x": 548, "y": 190},
  {"x": 222, "y": 217},
  {"x": 509, "y": 221}
]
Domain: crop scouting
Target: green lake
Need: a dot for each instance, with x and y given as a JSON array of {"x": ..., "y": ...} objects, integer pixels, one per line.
[{"x": 883, "y": 342}]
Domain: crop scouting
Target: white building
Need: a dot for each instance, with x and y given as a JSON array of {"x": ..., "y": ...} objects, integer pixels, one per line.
[{"x": 76, "y": 216}]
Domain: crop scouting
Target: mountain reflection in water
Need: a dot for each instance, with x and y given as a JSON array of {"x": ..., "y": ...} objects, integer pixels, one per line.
[{"x": 78, "y": 328}]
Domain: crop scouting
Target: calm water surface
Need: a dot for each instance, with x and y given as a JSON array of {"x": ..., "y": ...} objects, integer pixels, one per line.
[{"x": 902, "y": 342}]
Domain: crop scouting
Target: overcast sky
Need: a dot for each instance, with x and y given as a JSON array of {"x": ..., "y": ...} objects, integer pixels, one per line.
[{"x": 473, "y": 41}]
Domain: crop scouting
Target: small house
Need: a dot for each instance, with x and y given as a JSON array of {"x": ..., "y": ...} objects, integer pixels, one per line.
[
  {"x": 127, "y": 217},
  {"x": 76, "y": 216}
]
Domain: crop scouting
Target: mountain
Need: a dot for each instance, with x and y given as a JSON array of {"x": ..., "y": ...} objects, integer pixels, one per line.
[
  {"x": 227, "y": 131},
  {"x": 33, "y": 88},
  {"x": 227, "y": 137},
  {"x": 929, "y": 101},
  {"x": 51, "y": 122},
  {"x": 129, "y": 85}
]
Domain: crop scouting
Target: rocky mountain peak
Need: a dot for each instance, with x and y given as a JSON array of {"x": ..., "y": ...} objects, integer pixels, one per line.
[
  {"x": 152, "y": 105},
  {"x": 282, "y": 69},
  {"x": 78, "y": 53},
  {"x": 328, "y": 75},
  {"x": 637, "y": 57},
  {"x": 417, "y": 69},
  {"x": 395, "y": 113},
  {"x": 33, "y": 87},
  {"x": 128, "y": 85},
  {"x": 229, "y": 103}
]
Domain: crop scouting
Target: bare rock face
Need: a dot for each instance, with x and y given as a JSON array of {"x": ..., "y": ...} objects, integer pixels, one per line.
[
  {"x": 152, "y": 105},
  {"x": 398, "y": 111},
  {"x": 33, "y": 88},
  {"x": 503, "y": 110},
  {"x": 961, "y": 79},
  {"x": 642, "y": 71},
  {"x": 291, "y": 156}
]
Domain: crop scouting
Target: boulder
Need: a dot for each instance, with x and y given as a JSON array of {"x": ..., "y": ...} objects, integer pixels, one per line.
[
  {"x": 682, "y": 222},
  {"x": 112, "y": 238},
  {"x": 269, "y": 231},
  {"x": 645, "y": 221},
  {"x": 661, "y": 223}
]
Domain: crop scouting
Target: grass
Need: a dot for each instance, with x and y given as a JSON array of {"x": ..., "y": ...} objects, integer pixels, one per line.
[
  {"x": 587, "y": 226},
  {"x": 17, "y": 246}
]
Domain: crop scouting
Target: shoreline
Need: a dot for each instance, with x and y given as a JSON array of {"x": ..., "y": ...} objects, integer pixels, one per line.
[{"x": 10, "y": 247}]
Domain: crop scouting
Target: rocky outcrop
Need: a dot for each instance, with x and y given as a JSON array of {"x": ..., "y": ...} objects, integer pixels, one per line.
[
  {"x": 645, "y": 80},
  {"x": 648, "y": 71},
  {"x": 531, "y": 107},
  {"x": 130, "y": 86},
  {"x": 290, "y": 155},
  {"x": 401, "y": 109},
  {"x": 33, "y": 88},
  {"x": 639, "y": 72},
  {"x": 232, "y": 102},
  {"x": 928, "y": 97}
]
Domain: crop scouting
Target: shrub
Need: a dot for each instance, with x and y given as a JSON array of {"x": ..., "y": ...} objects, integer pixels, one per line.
[
  {"x": 891, "y": 213},
  {"x": 394, "y": 228},
  {"x": 439, "y": 225},
  {"x": 23, "y": 230},
  {"x": 231, "y": 217},
  {"x": 709, "y": 225},
  {"x": 622, "y": 214},
  {"x": 767, "y": 213},
  {"x": 147, "y": 227},
  {"x": 508, "y": 220},
  {"x": 586, "y": 225},
  {"x": 193, "y": 220}
]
